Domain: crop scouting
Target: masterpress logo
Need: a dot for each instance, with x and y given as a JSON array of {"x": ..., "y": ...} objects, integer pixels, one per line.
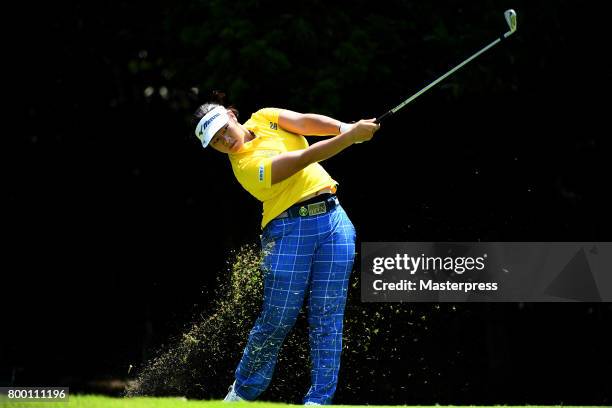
[{"x": 486, "y": 271}]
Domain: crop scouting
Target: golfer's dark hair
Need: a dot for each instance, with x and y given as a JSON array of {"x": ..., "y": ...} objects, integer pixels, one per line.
[{"x": 217, "y": 98}]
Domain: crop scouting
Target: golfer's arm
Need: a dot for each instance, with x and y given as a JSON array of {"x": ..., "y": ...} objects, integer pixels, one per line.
[
  {"x": 287, "y": 164},
  {"x": 310, "y": 124}
]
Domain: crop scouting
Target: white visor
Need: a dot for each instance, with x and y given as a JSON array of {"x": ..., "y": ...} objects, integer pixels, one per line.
[{"x": 210, "y": 124}]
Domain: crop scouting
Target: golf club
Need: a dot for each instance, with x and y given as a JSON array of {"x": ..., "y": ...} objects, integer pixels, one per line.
[{"x": 510, "y": 16}]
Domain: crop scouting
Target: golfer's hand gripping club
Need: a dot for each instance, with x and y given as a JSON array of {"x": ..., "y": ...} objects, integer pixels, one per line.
[
  {"x": 364, "y": 126},
  {"x": 364, "y": 130}
]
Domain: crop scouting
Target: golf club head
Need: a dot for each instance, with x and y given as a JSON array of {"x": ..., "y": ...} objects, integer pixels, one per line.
[{"x": 510, "y": 16}]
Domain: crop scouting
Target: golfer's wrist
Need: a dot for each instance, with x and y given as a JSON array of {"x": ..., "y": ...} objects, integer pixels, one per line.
[
  {"x": 348, "y": 136},
  {"x": 344, "y": 127}
]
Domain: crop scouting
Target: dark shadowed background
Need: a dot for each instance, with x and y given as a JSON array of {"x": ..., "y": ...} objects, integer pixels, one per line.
[{"x": 117, "y": 222}]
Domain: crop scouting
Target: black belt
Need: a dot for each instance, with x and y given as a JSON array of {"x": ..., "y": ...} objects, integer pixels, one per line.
[{"x": 320, "y": 204}]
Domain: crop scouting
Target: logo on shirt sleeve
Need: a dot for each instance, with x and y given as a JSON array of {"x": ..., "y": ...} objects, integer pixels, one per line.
[
  {"x": 273, "y": 126},
  {"x": 261, "y": 172}
]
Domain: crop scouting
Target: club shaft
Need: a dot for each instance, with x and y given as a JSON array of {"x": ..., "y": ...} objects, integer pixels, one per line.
[
  {"x": 437, "y": 81},
  {"x": 434, "y": 83}
]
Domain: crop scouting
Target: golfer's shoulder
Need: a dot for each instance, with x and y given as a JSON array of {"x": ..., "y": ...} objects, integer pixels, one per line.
[{"x": 266, "y": 114}]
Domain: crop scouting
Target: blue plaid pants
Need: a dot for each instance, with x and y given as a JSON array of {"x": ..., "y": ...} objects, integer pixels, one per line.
[{"x": 302, "y": 255}]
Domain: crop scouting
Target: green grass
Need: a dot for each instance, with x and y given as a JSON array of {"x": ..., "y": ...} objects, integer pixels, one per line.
[{"x": 95, "y": 401}]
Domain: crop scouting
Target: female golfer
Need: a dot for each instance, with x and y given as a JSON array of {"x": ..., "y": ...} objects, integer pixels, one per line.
[{"x": 307, "y": 238}]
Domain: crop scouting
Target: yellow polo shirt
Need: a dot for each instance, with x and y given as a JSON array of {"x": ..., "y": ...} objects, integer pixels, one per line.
[{"x": 252, "y": 166}]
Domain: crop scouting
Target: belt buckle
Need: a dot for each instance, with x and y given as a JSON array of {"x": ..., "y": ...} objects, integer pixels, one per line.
[{"x": 313, "y": 209}]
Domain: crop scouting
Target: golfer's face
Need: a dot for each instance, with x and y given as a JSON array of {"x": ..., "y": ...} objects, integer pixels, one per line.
[{"x": 228, "y": 139}]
